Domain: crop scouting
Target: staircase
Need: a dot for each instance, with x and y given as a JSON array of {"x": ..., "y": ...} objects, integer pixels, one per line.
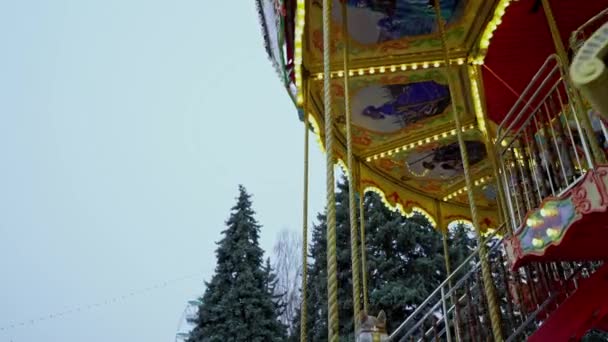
[
  {"x": 586, "y": 308},
  {"x": 547, "y": 262},
  {"x": 527, "y": 297}
]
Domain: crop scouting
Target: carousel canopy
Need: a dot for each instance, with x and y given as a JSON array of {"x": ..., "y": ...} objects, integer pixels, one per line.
[
  {"x": 404, "y": 135},
  {"x": 522, "y": 43}
]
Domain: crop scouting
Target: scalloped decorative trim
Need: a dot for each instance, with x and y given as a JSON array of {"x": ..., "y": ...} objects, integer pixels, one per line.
[
  {"x": 399, "y": 207},
  {"x": 382, "y": 193}
]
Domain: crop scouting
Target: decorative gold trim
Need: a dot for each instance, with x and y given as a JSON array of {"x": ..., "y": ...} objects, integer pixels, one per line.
[
  {"x": 488, "y": 32},
  {"x": 399, "y": 208},
  {"x": 390, "y": 68},
  {"x": 299, "y": 32},
  {"x": 478, "y": 182},
  {"x": 420, "y": 142}
]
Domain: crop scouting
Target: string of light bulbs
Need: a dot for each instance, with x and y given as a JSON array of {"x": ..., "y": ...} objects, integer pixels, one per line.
[{"x": 91, "y": 306}]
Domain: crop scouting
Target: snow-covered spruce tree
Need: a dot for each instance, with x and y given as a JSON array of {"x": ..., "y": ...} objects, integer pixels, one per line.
[{"x": 238, "y": 303}]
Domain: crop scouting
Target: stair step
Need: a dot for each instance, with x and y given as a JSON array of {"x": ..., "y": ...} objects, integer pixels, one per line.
[{"x": 586, "y": 309}]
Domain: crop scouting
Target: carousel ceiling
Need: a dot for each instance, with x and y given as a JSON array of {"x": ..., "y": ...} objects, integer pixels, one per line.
[
  {"x": 380, "y": 31},
  {"x": 403, "y": 132},
  {"x": 401, "y": 105},
  {"x": 392, "y": 110}
]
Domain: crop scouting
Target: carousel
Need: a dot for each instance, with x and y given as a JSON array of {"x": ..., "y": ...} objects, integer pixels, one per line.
[{"x": 487, "y": 112}]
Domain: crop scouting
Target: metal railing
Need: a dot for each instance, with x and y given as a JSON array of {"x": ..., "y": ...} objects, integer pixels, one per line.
[
  {"x": 543, "y": 152},
  {"x": 428, "y": 316},
  {"x": 560, "y": 281},
  {"x": 541, "y": 146},
  {"x": 457, "y": 309},
  {"x": 581, "y": 34}
]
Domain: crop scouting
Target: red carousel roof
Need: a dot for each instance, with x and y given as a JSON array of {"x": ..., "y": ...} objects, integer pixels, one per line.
[{"x": 523, "y": 42}]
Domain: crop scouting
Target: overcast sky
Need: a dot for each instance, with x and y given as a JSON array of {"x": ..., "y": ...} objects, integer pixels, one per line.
[{"x": 125, "y": 128}]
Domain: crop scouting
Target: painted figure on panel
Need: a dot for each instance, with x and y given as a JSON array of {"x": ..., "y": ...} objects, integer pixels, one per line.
[
  {"x": 395, "y": 19},
  {"x": 445, "y": 161},
  {"x": 404, "y": 104}
]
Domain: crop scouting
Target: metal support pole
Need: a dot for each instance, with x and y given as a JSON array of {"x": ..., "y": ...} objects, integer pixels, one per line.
[
  {"x": 482, "y": 122},
  {"x": 352, "y": 205},
  {"x": 363, "y": 243},
  {"x": 304, "y": 308},
  {"x": 448, "y": 267},
  {"x": 448, "y": 333}
]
